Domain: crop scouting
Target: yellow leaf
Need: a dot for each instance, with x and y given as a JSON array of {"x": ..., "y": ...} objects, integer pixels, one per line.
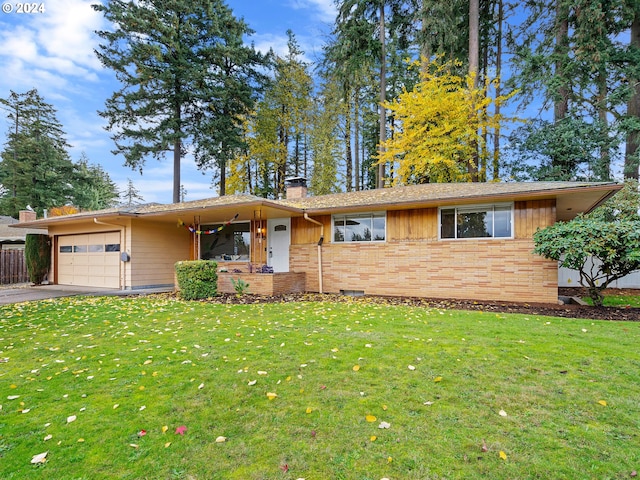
[
  {"x": 147, "y": 362},
  {"x": 384, "y": 407},
  {"x": 141, "y": 387},
  {"x": 437, "y": 379},
  {"x": 356, "y": 368},
  {"x": 164, "y": 429},
  {"x": 503, "y": 455},
  {"x": 370, "y": 418},
  {"x": 80, "y": 440},
  {"x": 309, "y": 410},
  {"x": 389, "y": 459},
  {"x": 271, "y": 395},
  {"x": 373, "y": 438},
  {"x": 602, "y": 402},
  {"x": 166, "y": 445}
]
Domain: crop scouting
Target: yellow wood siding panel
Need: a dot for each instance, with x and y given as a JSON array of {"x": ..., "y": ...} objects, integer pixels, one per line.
[
  {"x": 533, "y": 214},
  {"x": 415, "y": 224},
  {"x": 305, "y": 232}
]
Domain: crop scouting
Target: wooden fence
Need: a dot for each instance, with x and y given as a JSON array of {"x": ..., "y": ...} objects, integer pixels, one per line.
[{"x": 13, "y": 268}]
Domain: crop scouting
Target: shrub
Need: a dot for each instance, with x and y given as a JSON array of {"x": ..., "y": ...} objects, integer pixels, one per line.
[
  {"x": 197, "y": 279},
  {"x": 240, "y": 286},
  {"x": 37, "y": 256}
]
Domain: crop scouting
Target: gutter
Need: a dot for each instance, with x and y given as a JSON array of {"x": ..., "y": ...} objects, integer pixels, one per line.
[{"x": 320, "y": 241}]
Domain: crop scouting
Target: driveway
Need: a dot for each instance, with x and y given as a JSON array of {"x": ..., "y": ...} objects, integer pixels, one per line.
[{"x": 28, "y": 293}]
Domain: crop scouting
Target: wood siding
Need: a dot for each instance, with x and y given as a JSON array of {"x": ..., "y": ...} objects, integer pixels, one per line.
[
  {"x": 417, "y": 224},
  {"x": 304, "y": 232},
  {"x": 155, "y": 248},
  {"x": 531, "y": 215}
]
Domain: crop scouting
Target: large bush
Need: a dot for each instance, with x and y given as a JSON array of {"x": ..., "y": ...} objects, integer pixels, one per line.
[
  {"x": 37, "y": 256},
  {"x": 197, "y": 279}
]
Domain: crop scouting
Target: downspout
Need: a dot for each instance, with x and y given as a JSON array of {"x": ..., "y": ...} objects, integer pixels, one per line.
[
  {"x": 306, "y": 217},
  {"x": 122, "y": 228}
]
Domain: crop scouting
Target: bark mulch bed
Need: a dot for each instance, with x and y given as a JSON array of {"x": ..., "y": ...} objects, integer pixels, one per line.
[{"x": 554, "y": 310}]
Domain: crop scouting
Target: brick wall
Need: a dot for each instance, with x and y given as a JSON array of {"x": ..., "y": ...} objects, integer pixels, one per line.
[
  {"x": 264, "y": 283},
  {"x": 497, "y": 270}
]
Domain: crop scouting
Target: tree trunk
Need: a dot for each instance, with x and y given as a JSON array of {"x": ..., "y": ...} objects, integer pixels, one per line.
[
  {"x": 383, "y": 95},
  {"x": 633, "y": 109},
  {"x": 177, "y": 144},
  {"x": 356, "y": 115},
  {"x": 496, "y": 135},
  {"x": 474, "y": 65},
  {"x": 347, "y": 141},
  {"x": 562, "y": 39}
]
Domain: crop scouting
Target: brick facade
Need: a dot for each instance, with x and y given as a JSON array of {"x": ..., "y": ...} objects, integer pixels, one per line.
[
  {"x": 264, "y": 283},
  {"x": 496, "y": 270}
]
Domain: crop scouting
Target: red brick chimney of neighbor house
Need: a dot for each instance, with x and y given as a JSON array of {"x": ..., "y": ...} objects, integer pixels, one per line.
[
  {"x": 27, "y": 216},
  {"x": 296, "y": 187}
]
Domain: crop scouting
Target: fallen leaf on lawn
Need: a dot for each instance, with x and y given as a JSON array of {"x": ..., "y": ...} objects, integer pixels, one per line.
[
  {"x": 373, "y": 438},
  {"x": 116, "y": 406},
  {"x": 484, "y": 447},
  {"x": 411, "y": 367},
  {"x": 502, "y": 413},
  {"x": 370, "y": 418},
  {"x": 309, "y": 410},
  {"x": 134, "y": 445},
  {"x": 164, "y": 429},
  {"x": 48, "y": 437},
  {"x": 13, "y": 397},
  {"x": 142, "y": 408},
  {"x": 356, "y": 368},
  {"x": 389, "y": 459},
  {"x": 40, "y": 458},
  {"x": 261, "y": 372},
  {"x": 166, "y": 445},
  {"x": 142, "y": 433},
  {"x": 25, "y": 410},
  {"x": 201, "y": 386},
  {"x": 221, "y": 439},
  {"x": 271, "y": 395},
  {"x": 252, "y": 383},
  {"x": 437, "y": 379},
  {"x": 503, "y": 455},
  {"x": 602, "y": 402},
  {"x": 147, "y": 362},
  {"x": 181, "y": 430},
  {"x": 384, "y": 407},
  {"x": 71, "y": 418},
  {"x": 81, "y": 440},
  {"x": 284, "y": 468},
  {"x": 384, "y": 425},
  {"x": 428, "y": 403}
]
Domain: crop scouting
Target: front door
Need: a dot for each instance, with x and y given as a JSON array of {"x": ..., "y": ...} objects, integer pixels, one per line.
[{"x": 278, "y": 242}]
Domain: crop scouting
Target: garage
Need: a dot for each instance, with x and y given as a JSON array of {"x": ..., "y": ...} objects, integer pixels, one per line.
[{"x": 91, "y": 260}]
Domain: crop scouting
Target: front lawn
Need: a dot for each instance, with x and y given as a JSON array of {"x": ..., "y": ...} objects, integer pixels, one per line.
[{"x": 156, "y": 388}]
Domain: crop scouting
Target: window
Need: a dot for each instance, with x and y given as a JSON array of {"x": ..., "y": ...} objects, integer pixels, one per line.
[
  {"x": 368, "y": 227},
  {"x": 486, "y": 221},
  {"x": 233, "y": 242}
]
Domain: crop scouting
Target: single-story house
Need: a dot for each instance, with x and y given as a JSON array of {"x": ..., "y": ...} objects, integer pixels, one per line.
[{"x": 456, "y": 240}]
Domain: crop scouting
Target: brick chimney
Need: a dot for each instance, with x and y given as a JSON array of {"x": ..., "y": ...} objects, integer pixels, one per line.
[
  {"x": 296, "y": 187},
  {"x": 27, "y": 216}
]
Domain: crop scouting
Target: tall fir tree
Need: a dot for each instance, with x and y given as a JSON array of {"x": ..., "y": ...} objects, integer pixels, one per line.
[{"x": 187, "y": 77}]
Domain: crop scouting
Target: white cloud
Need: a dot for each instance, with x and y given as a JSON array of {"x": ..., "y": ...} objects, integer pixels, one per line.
[{"x": 324, "y": 10}]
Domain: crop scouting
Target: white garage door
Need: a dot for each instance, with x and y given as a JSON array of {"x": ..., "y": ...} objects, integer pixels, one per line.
[{"x": 91, "y": 260}]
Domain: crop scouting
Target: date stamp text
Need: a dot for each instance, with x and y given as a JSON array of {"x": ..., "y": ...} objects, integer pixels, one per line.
[{"x": 23, "y": 8}]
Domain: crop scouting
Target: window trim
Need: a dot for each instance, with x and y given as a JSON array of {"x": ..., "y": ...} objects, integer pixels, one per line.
[
  {"x": 372, "y": 215},
  {"x": 476, "y": 207}
]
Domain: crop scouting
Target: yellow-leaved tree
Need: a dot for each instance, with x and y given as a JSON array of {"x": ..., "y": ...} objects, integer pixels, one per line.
[{"x": 439, "y": 127}]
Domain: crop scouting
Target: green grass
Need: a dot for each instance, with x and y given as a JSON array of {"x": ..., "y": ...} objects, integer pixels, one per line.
[
  {"x": 632, "y": 301},
  {"x": 191, "y": 364}
]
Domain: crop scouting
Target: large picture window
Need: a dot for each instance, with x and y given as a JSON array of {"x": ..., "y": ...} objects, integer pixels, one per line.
[
  {"x": 368, "y": 227},
  {"x": 233, "y": 242},
  {"x": 486, "y": 221}
]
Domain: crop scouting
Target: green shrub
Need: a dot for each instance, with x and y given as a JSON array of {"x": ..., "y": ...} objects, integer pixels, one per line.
[
  {"x": 37, "y": 254},
  {"x": 197, "y": 279},
  {"x": 240, "y": 286}
]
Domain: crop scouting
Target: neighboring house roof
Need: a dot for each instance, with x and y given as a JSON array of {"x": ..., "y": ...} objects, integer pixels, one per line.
[
  {"x": 571, "y": 199},
  {"x": 13, "y": 235}
]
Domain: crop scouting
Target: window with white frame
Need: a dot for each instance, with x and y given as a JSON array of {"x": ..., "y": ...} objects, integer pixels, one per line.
[
  {"x": 360, "y": 227},
  {"x": 478, "y": 221}
]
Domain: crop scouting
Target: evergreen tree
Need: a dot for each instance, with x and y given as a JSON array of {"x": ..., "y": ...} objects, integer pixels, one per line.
[
  {"x": 131, "y": 196},
  {"x": 93, "y": 188},
  {"x": 186, "y": 77},
  {"x": 35, "y": 168}
]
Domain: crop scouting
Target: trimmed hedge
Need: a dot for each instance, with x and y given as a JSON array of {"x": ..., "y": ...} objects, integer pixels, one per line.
[
  {"x": 197, "y": 279},
  {"x": 37, "y": 256}
]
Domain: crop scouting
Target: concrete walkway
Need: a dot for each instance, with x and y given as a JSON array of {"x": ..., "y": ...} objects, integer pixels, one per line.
[{"x": 28, "y": 293}]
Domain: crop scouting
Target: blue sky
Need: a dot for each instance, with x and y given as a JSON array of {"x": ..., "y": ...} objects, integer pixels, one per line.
[{"x": 53, "y": 52}]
